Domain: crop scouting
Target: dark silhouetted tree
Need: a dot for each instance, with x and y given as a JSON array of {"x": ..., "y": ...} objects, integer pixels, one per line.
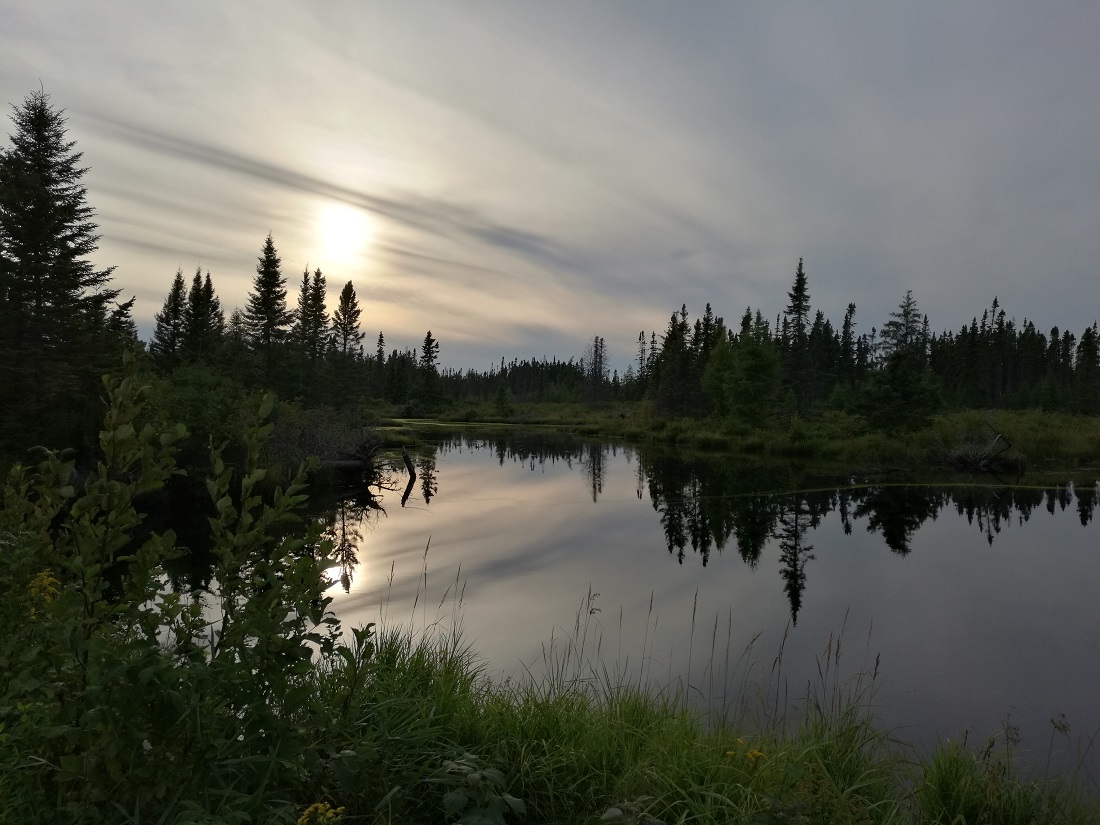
[
  {"x": 266, "y": 316},
  {"x": 54, "y": 304},
  {"x": 203, "y": 320},
  {"x": 168, "y": 334},
  {"x": 347, "y": 340},
  {"x": 345, "y": 323},
  {"x": 796, "y": 322}
]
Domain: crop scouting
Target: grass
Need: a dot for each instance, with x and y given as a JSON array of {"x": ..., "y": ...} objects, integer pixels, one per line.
[
  {"x": 954, "y": 440},
  {"x": 575, "y": 743}
]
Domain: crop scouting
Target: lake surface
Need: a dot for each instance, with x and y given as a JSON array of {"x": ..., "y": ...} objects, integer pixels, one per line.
[{"x": 734, "y": 582}]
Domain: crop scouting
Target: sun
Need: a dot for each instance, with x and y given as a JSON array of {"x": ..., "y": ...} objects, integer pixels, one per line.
[{"x": 343, "y": 233}]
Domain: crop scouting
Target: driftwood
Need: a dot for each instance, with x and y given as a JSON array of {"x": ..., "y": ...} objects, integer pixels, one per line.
[
  {"x": 994, "y": 456},
  {"x": 412, "y": 475}
]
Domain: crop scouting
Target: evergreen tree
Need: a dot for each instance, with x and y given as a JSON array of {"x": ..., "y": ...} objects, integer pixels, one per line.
[
  {"x": 796, "y": 338},
  {"x": 168, "y": 335},
  {"x": 120, "y": 324},
  {"x": 53, "y": 301},
  {"x": 903, "y": 330},
  {"x": 847, "y": 370},
  {"x": 203, "y": 321},
  {"x": 595, "y": 369},
  {"x": 266, "y": 316},
  {"x": 428, "y": 370},
  {"x": 345, "y": 322},
  {"x": 429, "y": 353},
  {"x": 798, "y": 306},
  {"x": 310, "y": 331},
  {"x": 1086, "y": 372}
]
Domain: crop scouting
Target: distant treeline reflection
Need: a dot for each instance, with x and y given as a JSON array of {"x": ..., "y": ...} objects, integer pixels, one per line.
[{"x": 718, "y": 505}]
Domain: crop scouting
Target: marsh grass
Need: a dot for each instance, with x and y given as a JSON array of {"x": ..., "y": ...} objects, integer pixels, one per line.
[
  {"x": 964, "y": 437},
  {"x": 586, "y": 734}
]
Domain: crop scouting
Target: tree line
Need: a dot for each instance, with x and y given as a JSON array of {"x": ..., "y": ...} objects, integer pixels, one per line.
[
  {"x": 62, "y": 325},
  {"x": 765, "y": 371}
]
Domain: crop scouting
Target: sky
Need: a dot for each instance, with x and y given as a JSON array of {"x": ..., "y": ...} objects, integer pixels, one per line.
[{"x": 519, "y": 177}]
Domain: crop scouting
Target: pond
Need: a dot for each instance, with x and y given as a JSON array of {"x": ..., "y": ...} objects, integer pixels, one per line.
[{"x": 970, "y": 607}]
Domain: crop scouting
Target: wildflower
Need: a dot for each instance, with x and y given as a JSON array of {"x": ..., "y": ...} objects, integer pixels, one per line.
[
  {"x": 754, "y": 755},
  {"x": 319, "y": 813},
  {"x": 43, "y": 589},
  {"x": 740, "y": 744}
]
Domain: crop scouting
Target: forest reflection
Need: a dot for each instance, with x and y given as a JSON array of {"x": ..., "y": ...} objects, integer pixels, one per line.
[{"x": 708, "y": 506}]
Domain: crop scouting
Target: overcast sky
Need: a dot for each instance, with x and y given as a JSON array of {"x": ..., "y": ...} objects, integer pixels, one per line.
[{"x": 520, "y": 176}]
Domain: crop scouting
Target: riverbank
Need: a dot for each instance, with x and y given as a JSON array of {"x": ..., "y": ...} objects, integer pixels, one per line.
[
  {"x": 1001, "y": 440},
  {"x": 124, "y": 700},
  {"x": 400, "y": 728}
]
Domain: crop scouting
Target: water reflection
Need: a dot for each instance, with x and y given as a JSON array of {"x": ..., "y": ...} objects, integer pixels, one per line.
[
  {"x": 345, "y": 524},
  {"x": 531, "y": 521},
  {"x": 711, "y": 506}
]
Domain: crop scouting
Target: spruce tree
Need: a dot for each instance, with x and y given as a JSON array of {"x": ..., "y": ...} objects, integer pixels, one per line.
[
  {"x": 428, "y": 370},
  {"x": 266, "y": 316},
  {"x": 796, "y": 337},
  {"x": 903, "y": 330},
  {"x": 168, "y": 335},
  {"x": 203, "y": 321},
  {"x": 310, "y": 331},
  {"x": 345, "y": 322},
  {"x": 54, "y": 303}
]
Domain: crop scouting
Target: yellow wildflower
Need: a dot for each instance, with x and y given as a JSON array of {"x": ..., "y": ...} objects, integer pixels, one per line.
[
  {"x": 755, "y": 755},
  {"x": 319, "y": 813},
  {"x": 43, "y": 589}
]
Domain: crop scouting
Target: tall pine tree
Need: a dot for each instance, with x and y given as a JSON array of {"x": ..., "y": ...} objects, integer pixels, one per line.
[
  {"x": 266, "y": 316},
  {"x": 345, "y": 323},
  {"x": 54, "y": 303},
  {"x": 797, "y": 340},
  {"x": 168, "y": 335},
  {"x": 203, "y": 320}
]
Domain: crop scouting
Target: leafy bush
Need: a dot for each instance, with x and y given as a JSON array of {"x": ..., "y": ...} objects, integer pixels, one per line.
[{"x": 119, "y": 696}]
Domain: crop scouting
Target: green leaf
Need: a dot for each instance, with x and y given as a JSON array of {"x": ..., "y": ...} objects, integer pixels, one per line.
[{"x": 267, "y": 404}]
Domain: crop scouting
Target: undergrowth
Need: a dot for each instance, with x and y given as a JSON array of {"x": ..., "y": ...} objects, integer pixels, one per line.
[{"x": 122, "y": 700}]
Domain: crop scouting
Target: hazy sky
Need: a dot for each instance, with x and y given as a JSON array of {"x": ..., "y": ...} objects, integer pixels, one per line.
[{"x": 520, "y": 176}]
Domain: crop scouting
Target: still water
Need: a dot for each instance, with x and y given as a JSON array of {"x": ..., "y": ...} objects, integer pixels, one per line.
[{"x": 733, "y": 582}]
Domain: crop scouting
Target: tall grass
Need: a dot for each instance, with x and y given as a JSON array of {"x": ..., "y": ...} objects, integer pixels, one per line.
[{"x": 578, "y": 740}]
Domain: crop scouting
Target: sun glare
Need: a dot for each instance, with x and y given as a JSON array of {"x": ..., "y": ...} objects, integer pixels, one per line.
[{"x": 343, "y": 232}]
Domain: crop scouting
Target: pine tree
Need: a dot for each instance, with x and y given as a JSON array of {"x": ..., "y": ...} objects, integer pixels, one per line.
[
  {"x": 266, "y": 316},
  {"x": 168, "y": 335},
  {"x": 796, "y": 337},
  {"x": 798, "y": 306},
  {"x": 428, "y": 369},
  {"x": 429, "y": 353},
  {"x": 903, "y": 330},
  {"x": 847, "y": 370},
  {"x": 203, "y": 321},
  {"x": 53, "y": 301},
  {"x": 345, "y": 322}
]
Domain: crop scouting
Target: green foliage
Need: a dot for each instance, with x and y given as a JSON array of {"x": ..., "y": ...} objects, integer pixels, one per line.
[
  {"x": 743, "y": 379},
  {"x": 133, "y": 699},
  {"x": 476, "y": 794},
  {"x": 121, "y": 700},
  {"x": 902, "y": 396},
  {"x": 57, "y": 327},
  {"x": 958, "y": 786}
]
